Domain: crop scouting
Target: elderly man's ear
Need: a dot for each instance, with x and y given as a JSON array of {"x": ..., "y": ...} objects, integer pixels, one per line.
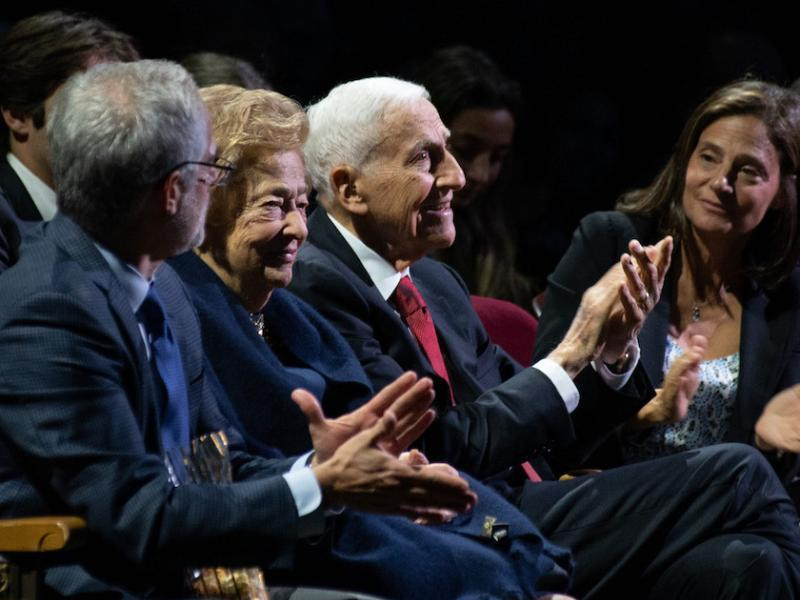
[
  {"x": 345, "y": 187},
  {"x": 170, "y": 194}
]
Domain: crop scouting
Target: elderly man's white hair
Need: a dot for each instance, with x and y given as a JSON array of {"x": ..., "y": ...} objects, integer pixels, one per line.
[{"x": 345, "y": 125}]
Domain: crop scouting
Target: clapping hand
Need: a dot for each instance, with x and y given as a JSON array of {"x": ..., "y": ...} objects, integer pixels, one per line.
[
  {"x": 613, "y": 310},
  {"x": 778, "y": 427},
  {"x": 671, "y": 402},
  {"x": 644, "y": 271},
  {"x": 410, "y": 400},
  {"x": 356, "y": 461}
]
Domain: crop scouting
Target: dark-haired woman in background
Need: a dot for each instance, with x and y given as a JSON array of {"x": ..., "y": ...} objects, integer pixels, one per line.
[
  {"x": 728, "y": 195},
  {"x": 480, "y": 106}
]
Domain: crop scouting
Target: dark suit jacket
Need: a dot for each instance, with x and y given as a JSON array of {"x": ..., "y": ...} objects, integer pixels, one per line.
[
  {"x": 770, "y": 337},
  {"x": 493, "y": 426},
  {"x": 80, "y": 432},
  {"x": 257, "y": 384},
  {"x": 17, "y": 214},
  {"x": 393, "y": 556}
]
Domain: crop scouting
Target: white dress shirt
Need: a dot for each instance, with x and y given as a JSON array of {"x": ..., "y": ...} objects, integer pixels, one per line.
[
  {"x": 42, "y": 194},
  {"x": 386, "y": 278}
]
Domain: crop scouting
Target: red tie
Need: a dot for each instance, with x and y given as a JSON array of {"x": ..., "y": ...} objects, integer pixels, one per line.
[{"x": 411, "y": 306}]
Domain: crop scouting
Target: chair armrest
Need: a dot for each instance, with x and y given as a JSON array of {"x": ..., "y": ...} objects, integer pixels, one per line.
[{"x": 38, "y": 534}]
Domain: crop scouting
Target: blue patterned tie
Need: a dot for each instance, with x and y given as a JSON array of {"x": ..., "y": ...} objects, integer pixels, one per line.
[{"x": 174, "y": 414}]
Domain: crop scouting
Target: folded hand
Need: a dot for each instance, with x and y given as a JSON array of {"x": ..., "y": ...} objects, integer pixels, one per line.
[{"x": 778, "y": 427}]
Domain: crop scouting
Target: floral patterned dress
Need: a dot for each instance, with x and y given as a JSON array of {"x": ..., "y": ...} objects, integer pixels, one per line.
[{"x": 708, "y": 417}]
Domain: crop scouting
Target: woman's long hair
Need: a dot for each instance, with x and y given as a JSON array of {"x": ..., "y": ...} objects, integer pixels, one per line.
[{"x": 773, "y": 249}]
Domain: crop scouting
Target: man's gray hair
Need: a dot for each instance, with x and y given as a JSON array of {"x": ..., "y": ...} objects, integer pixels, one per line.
[
  {"x": 115, "y": 131},
  {"x": 346, "y": 125}
]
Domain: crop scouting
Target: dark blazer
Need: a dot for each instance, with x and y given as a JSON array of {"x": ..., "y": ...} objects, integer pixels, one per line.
[
  {"x": 493, "y": 426},
  {"x": 393, "y": 556},
  {"x": 79, "y": 425},
  {"x": 770, "y": 337},
  {"x": 17, "y": 214},
  {"x": 254, "y": 377}
]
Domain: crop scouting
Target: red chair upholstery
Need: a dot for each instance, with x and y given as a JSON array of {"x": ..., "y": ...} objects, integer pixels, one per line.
[{"x": 508, "y": 326}]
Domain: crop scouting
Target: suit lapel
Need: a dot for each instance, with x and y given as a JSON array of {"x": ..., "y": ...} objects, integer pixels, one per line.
[
  {"x": 652, "y": 340},
  {"x": 762, "y": 356},
  {"x": 74, "y": 242},
  {"x": 450, "y": 340},
  {"x": 18, "y": 197},
  {"x": 323, "y": 234}
]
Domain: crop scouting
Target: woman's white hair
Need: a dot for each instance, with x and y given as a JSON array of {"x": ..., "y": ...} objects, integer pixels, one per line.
[{"x": 346, "y": 125}]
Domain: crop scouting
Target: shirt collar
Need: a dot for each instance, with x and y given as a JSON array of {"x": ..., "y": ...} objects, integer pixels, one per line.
[
  {"x": 133, "y": 282},
  {"x": 380, "y": 270},
  {"x": 42, "y": 194}
]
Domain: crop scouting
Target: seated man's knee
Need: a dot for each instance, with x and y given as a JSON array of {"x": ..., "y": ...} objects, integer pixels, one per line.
[
  {"x": 756, "y": 564},
  {"x": 735, "y": 459}
]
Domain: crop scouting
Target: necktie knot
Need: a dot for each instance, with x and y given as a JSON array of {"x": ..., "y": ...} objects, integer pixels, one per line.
[
  {"x": 152, "y": 314},
  {"x": 407, "y": 298},
  {"x": 412, "y": 309}
]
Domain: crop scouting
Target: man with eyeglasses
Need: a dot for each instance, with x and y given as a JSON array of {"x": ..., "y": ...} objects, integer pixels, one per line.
[
  {"x": 37, "y": 55},
  {"x": 103, "y": 369}
]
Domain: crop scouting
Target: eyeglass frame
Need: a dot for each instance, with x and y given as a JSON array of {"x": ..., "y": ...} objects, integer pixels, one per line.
[{"x": 226, "y": 169}]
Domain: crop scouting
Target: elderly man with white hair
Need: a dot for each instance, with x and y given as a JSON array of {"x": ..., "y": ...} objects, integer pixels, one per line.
[
  {"x": 713, "y": 523},
  {"x": 103, "y": 370}
]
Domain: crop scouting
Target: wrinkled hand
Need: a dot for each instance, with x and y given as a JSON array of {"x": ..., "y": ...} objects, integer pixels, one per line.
[
  {"x": 364, "y": 476},
  {"x": 671, "y": 402},
  {"x": 418, "y": 459},
  {"x": 644, "y": 271},
  {"x": 613, "y": 310},
  {"x": 584, "y": 339},
  {"x": 408, "y": 398},
  {"x": 778, "y": 427}
]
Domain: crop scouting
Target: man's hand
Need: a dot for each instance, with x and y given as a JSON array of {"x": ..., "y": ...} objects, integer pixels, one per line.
[
  {"x": 645, "y": 269},
  {"x": 410, "y": 401},
  {"x": 418, "y": 459},
  {"x": 778, "y": 427},
  {"x": 364, "y": 476},
  {"x": 671, "y": 402},
  {"x": 613, "y": 310}
]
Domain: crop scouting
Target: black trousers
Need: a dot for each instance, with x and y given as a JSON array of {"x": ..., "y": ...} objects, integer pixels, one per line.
[{"x": 705, "y": 524}]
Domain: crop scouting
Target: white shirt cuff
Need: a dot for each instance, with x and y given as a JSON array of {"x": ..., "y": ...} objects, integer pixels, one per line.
[
  {"x": 616, "y": 381},
  {"x": 558, "y": 377},
  {"x": 307, "y": 495}
]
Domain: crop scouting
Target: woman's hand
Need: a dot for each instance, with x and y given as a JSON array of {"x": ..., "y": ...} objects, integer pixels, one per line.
[
  {"x": 671, "y": 402},
  {"x": 778, "y": 427}
]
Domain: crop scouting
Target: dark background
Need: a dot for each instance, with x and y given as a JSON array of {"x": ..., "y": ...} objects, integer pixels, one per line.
[{"x": 607, "y": 86}]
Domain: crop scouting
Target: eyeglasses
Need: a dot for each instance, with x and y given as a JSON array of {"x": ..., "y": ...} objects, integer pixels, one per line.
[{"x": 217, "y": 173}]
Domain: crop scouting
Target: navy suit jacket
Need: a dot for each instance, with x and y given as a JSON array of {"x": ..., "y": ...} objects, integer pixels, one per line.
[
  {"x": 770, "y": 337},
  {"x": 254, "y": 377},
  {"x": 504, "y": 414},
  {"x": 79, "y": 426},
  {"x": 17, "y": 214},
  {"x": 393, "y": 556}
]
